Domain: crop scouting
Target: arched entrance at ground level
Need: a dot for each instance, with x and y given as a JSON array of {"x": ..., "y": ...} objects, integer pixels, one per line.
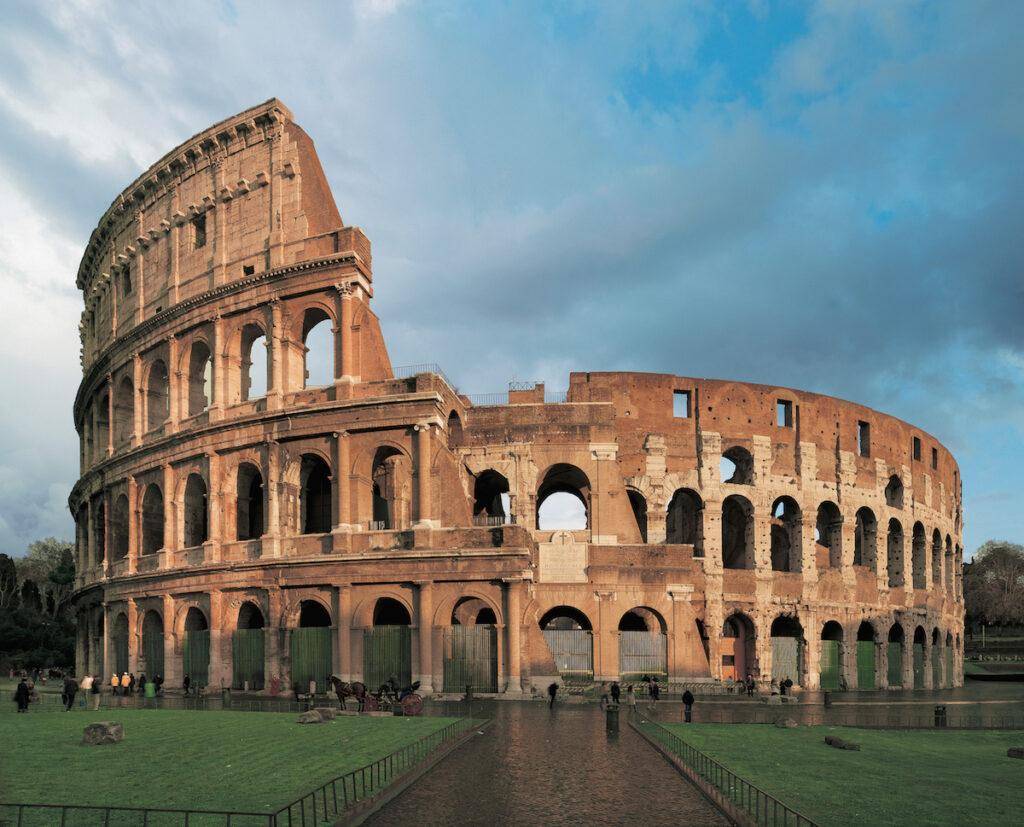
[
  {"x": 387, "y": 645},
  {"x": 119, "y": 635},
  {"x": 894, "y": 656},
  {"x": 738, "y": 648},
  {"x": 643, "y": 644},
  {"x": 195, "y": 650},
  {"x": 310, "y": 647},
  {"x": 152, "y": 644},
  {"x": 937, "y": 659},
  {"x": 248, "y": 645},
  {"x": 920, "y": 638},
  {"x": 866, "y": 656},
  {"x": 569, "y": 636},
  {"x": 471, "y": 647},
  {"x": 830, "y": 667},
  {"x": 787, "y": 649}
]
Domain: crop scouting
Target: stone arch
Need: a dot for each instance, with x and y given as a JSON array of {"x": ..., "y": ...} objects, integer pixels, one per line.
[
  {"x": 737, "y": 533},
  {"x": 391, "y": 487},
  {"x": 99, "y": 530},
  {"x": 318, "y": 346},
  {"x": 643, "y": 643},
  {"x": 830, "y": 671},
  {"x": 455, "y": 435},
  {"x": 315, "y": 494},
  {"x": 684, "y": 522},
  {"x": 918, "y": 555},
  {"x": 312, "y": 613},
  {"x": 250, "y": 493},
  {"x": 152, "y": 519},
  {"x": 192, "y": 618},
  {"x": 152, "y": 638},
  {"x": 119, "y": 639},
  {"x": 102, "y": 434},
  {"x": 124, "y": 412},
  {"x": 200, "y": 377},
  {"x": 936, "y": 558},
  {"x": 738, "y": 647},
  {"x": 254, "y": 362},
  {"x": 491, "y": 494},
  {"x": 157, "y": 395},
  {"x": 740, "y": 463},
  {"x": 786, "y": 535},
  {"x": 949, "y": 565},
  {"x": 894, "y": 492},
  {"x": 896, "y": 641},
  {"x": 787, "y": 635},
  {"x": 565, "y": 618},
  {"x": 119, "y": 527},
  {"x": 638, "y": 504},
  {"x": 387, "y": 611},
  {"x": 642, "y": 619},
  {"x": 894, "y": 553},
  {"x": 463, "y": 605},
  {"x": 829, "y": 536},
  {"x": 563, "y": 479},
  {"x": 362, "y": 616},
  {"x": 250, "y": 616},
  {"x": 195, "y": 512},
  {"x": 865, "y": 539}
]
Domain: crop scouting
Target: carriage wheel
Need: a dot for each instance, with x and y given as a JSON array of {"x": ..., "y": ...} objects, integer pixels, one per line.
[
  {"x": 370, "y": 703},
  {"x": 412, "y": 704}
]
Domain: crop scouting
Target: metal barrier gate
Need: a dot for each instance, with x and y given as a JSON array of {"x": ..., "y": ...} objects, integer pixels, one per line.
[
  {"x": 471, "y": 658},
  {"x": 195, "y": 658},
  {"x": 387, "y": 653},
  {"x": 573, "y": 651},
  {"x": 865, "y": 664},
  {"x": 310, "y": 650},
  {"x": 642, "y": 653},
  {"x": 247, "y": 650}
]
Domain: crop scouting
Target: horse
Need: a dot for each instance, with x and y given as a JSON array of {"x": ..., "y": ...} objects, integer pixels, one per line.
[{"x": 344, "y": 691}]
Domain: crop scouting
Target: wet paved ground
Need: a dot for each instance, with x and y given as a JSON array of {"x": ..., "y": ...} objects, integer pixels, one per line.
[{"x": 535, "y": 766}]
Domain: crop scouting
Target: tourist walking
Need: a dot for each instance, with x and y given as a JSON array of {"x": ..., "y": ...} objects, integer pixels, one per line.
[
  {"x": 750, "y": 686},
  {"x": 616, "y": 692},
  {"x": 631, "y": 697},
  {"x": 142, "y": 683},
  {"x": 187, "y": 683},
  {"x": 552, "y": 692},
  {"x": 604, "y": 696},
  {"x": 131, "y": 684},
  {"x": 94, "y": 691},
  {"x": 125, "y": 683},
  {"x": 21, "y": 695},
  {"x": 114, "y": 683},
  {"x": 86, "y": 687},
  {"x": 70, "y": 690},
  {"x": 654, "y": 689},
  {"x": 688, "y": 705}
]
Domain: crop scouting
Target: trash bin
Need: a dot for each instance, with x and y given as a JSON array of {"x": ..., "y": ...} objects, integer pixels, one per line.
[
  {"x": 225, "y": 697},
  {"x": 828, "y": 699},
  {"x": 150, "y": 689},
  {"x": 940, "y": 715},
  {"x": 611, "y": 718}
]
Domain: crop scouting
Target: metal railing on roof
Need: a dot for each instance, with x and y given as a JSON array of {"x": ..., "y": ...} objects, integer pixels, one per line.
[{"x": 409, "y": 371}]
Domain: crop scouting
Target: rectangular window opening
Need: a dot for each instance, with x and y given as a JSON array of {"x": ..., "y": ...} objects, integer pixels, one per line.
[
  {"x": 784, "y": 413},
  {"x": 199, "y": 231},
  {"x": 248, "y": 269},
  {"x": 864, "y": 439},
  {"x": 917, "y": 448},
  {"x": 935, "y": 459},
  {"x": 681, "y": 404}
]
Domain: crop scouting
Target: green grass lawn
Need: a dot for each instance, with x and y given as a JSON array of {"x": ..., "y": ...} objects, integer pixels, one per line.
[
  {"x": 898, "y": 777},
  {"x": 245, "y": 761}
]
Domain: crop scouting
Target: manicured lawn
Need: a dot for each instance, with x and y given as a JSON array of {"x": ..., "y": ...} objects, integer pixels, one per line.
[
  {"x": 246, "y": 761},
  {"x": 898, "y": 777}
]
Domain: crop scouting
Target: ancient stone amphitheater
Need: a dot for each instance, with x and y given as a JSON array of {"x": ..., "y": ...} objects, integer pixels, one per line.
[{"x": 265, "y": 500}]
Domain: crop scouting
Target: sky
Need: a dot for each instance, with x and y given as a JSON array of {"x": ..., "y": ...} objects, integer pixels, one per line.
[{"x": 818, "y": 195}]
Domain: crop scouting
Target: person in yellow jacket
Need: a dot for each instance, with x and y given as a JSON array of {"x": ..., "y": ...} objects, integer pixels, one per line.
[
  {"x": 114, "y": 683},
  {"x": 126, "y": 683}
]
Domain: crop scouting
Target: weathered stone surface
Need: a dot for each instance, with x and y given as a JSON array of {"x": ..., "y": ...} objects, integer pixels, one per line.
[
  {"x": 312, "y": 717},
  {"x": 786, "y": 723},
  {"x": 102, "y": 732},
  {"x": 839, "y": 743},
  {"x": 328, "y": 713}
]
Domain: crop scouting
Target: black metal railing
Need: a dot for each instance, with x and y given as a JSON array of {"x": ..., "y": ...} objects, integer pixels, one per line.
[
  {"x": 495, "y": 520},
  {"x": 762, "y": 808},
  {"x": 409, "y": 371},
  {"x": 323, "y": 804}
]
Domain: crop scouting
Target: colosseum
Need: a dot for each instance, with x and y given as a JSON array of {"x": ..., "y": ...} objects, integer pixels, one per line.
[{"x": 265, "y": 500}]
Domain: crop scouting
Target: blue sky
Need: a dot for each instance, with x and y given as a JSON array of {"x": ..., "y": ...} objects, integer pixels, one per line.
[{"x": 825, "y": 196}]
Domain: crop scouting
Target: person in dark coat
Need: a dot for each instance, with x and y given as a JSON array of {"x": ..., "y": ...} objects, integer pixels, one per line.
[
  {"x": 188, "y": 682},
  {"x": 616, "y": 693},
  {"x": 552, "y": 692},
  {"x": 131, "y": 683},
  {"x": 688, "y": 704},
  {"x": 142, "y": 683},
  {"x": 70, "y": 690},
  {"x": 21, "y": 695}
]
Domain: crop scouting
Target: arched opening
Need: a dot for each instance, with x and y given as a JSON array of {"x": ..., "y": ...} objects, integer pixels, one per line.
[
  {"x": 949, "y": 564},
  {"x": 830, "y": 669},
  {"x": 894, "y": 655},
  {"x": 894, "y": 492},
  {"x": 787, "y": 535},
  {"x": 865, "y": 539},
  {"x": 392, "y": 482},
  {"x": 639, "y": 506},
  {"x": 569, "y": 636},
  {"x": 829, "y": 536},
  {"x": 200, "y": 378},
  {"x": 917, "y": 557},
  {"x": 196, "y": 511},
  {"x": 737, "y": 466},
  {"x": 99, "y": 528},
  {"x": 936, "y": 558},
  {"x": 737, "y": 533},
  {"x": 119, "y": 528},
  {"x": 387, "y": 646},
  {"x": 920, "y": 641},
  {"x": 157, "y": 395},
  {"x": 310, "y": 648},
  {"x": 255, "y": 375},
  {"x": 866, "y": 656},
  {"x": 738, "y": 648},
  {"x": 563, "y": 499},
  {"x": 315, "y": 480},
  {"x": 119, "y": 636},
  {"x": 102, "y": 425},
  {"x": 894, "y": 555},
  {"x": 124, "y": 412},
  {"x": 684, "y": 522},
  {"x": 318, "y": 349},
  {"x": 152, "y": 519},
  {"x": 249, "y": 502},
  {"x": 936, "y": 658},
  {"x": 454, "y": 431},
  {"x": 471, "y": 647},
  {"x": 643, "y": 644},
  {"x": 948, "y": 653},
  {"x": 248, "y": 644},
  {"x": 491, "y": 500},
  {"x": 787, "y": 649},
  {"x": 152, "y": 644},
  {"x": 195, "y": 649}
]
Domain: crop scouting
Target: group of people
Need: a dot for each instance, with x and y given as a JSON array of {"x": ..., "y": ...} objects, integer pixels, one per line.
[{"x": 127, "y": 685}]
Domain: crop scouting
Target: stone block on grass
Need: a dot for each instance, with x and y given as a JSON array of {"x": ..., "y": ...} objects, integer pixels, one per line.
[
  {"x": 839, "y": 743},
  {"x": 102, "y": 732},
  {"x": 786, "y": 723},
  {"x": 1015, "y": 752},
  {"x": 312, "y": 717},
  {"x": 328, "y": 713}
]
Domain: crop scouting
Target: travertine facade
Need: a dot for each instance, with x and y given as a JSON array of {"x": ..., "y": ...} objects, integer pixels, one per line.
[{"x": 208, "y": 503}]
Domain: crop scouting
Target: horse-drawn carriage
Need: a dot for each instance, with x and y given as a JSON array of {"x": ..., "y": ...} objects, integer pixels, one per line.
[{"x": 389, "y": 697}]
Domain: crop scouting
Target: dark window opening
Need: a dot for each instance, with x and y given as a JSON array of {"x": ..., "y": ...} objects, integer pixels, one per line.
[
  {"x": 935, "y": 459},
  {"x": 863, "y": 439},
  {"x": 198, "y": 232},
  {"x": 917, "y": 448},
  {"x": 316, "y": 495},
  {"x": 681, "y": 404},
  {"x": 784, "y": 413},
  {"x": 639, "y": 506},
  {"x": 248, "y": 269}
]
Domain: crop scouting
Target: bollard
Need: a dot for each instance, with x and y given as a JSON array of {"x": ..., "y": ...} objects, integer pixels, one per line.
[
  {"x": 940, "y": 716},
  {"x": 828, "y": 699},
  {"x": 611, "y": 718}
]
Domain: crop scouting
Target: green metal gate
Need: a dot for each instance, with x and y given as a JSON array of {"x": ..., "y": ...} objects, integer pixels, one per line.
[
  {"x": 918, "y": 666},
  {"x": 642, "y": 653},
  {"x": 895, "y": 653},
  {"x": 828, "y": 669},
  {"x": 153, "y": 649},
  {"x": 196, "y": 656},
  {"x": 121, "y": 651},
  {"x": 387, "y": 653},
  {"x": 949, "y": 666},
  {"x": 573, "y": 652},
  {"x": 786, "y": 659},
  {"x": 936, "y": 667},
  {"x": 310, "y": 650},
  {"x": 247, "y": 648},
  {"x": 471, "y": 658},
  {"x": 865, "y": 664}
]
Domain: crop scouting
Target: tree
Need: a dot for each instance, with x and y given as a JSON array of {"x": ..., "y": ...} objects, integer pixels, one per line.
[
  {"x": 50, "y": 564},
  {"x": 994, "y": 583},
  {"x": 8, "y": 583}
]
